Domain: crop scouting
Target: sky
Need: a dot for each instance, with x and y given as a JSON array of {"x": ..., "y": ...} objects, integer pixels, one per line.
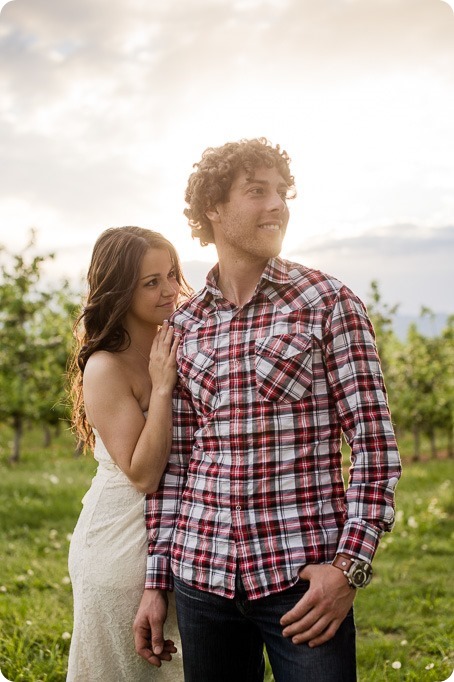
[{"x": 105, "y": 105}]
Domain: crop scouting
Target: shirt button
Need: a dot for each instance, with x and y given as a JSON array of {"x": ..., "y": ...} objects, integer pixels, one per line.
[
  {"x": 237, "y": 411},
  {"x": 238, "y": 508}
]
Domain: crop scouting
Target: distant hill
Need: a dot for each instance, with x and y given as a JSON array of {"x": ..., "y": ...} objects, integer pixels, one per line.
[{"x": 426, "y": 325}]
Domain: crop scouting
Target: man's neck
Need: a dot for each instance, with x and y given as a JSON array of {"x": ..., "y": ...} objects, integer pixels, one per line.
[{"x": 238, "y": 279}]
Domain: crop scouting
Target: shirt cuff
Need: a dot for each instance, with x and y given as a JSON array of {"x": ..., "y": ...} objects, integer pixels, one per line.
[
  {"x": 158, "y": 575},
  {"x": 359, "y": 539}
]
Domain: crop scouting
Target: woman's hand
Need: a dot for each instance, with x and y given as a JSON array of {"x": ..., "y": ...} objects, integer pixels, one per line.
[{"x": 163, "y": 363}]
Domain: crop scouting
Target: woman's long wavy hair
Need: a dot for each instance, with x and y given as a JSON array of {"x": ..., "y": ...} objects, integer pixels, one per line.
[{"x": 112, "y": 278}]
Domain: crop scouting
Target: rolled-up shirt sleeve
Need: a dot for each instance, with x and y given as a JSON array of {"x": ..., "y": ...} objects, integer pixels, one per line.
[
  {"x": 162, "y": 507},
  {"x": 359, "y": 394}
]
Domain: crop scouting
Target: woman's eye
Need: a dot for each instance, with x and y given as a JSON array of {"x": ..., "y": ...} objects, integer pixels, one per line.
[
  {"x": 172, "y": 274},
  {"x": 152, "y": 283}
]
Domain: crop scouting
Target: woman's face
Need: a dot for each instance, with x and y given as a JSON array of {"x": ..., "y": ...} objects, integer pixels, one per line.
[{"x": 156, "y": 293}]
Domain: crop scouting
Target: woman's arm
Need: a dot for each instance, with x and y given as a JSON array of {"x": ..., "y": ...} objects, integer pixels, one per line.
[{"x": 140, "y": 446}]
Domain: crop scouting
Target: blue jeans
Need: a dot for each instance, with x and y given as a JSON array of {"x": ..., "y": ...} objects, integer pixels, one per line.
[{"x": 222, "y": 639}]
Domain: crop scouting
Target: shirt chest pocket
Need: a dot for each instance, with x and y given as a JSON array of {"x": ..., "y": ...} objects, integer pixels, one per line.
[
  {"x": 283, "y": 367},
  {"x": 197, "y": 370}
]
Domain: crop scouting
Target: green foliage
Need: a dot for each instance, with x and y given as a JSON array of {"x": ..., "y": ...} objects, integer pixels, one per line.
[
  {"x": 35, "y": 326},
  {"x": 404, "y": 617},
  {"x": 419, "y": 376}
]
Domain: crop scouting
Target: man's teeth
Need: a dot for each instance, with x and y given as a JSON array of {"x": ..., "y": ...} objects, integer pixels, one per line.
[{"x": 270, "y": 226}]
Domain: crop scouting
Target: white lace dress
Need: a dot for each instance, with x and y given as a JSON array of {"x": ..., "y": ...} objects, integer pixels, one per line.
[{"x": 107, "y": 559}]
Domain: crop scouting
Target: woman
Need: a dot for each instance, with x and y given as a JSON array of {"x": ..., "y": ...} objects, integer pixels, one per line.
[{"x": 124, "y": 370}]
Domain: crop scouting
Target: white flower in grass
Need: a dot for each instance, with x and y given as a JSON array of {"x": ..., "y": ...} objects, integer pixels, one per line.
[
  {"x": 66, "y": 580},
  {"x": 53, "y": 533},
  {"x": 397, "y": 665},
  {"x": 424, "y": 548},
  {"x": 28, "y": 622},
  {"x": 69, "y": 537},
  {"x": 412, "y": 522},
  {"x": 21, "y": 578},
  {"x": 54, "y": 479},
  {"x": 399, "y": 515},
  {"x": 66, "y": 635},
  {"x": 30, "y": 572},
  {"x": 404, "y": 642},
  {"x": 3, "y": 588},
  {"x": 429, "y": 666}
]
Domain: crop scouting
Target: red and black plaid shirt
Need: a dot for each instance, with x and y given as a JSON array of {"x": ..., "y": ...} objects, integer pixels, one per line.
[{"x": 254, "y": 482}]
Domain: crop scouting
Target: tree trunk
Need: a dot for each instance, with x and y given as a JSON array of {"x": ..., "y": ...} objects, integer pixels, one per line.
[
  {"x": 47, "y": 436},
  {"x": 417, "y": 444},
  {"x": 433, "y": 443},
  {"x": 18, "y": 426}
]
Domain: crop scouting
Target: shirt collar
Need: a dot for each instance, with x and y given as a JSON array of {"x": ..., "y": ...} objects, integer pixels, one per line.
[{"x": 275, "y": 271}]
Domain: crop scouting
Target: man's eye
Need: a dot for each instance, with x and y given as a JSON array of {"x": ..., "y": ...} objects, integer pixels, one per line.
[{"x": 257, "y": 190}]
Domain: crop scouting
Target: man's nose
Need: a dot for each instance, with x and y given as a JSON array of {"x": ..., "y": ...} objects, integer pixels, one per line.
[{"x": 276, "y": 202}]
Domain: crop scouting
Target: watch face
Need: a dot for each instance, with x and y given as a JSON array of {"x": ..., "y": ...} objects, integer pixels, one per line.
[{"x": 360, "y": 574}]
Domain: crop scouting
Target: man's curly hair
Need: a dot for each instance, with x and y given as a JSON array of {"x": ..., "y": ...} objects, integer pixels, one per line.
[{"x": 211, "y": 181}]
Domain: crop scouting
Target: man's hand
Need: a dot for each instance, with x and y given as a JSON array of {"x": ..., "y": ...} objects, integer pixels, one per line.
[
  {"x": 148, "y": 628},
  {"x": 317, "y": 616}
]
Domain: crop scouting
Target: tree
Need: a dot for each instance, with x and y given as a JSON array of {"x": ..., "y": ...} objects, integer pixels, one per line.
[
  {"x": 389, "y": 347},
  {"x": 425, "y": 397},
  {"x": 33, "y": 345},
  {"x": 382, "y": 317}
]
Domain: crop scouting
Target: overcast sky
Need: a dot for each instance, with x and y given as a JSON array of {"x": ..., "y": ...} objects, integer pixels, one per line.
[{"x": 106, "y": 104}]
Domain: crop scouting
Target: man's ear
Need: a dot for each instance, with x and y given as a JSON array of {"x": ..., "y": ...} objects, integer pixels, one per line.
[{"x": 212, "y": 214}]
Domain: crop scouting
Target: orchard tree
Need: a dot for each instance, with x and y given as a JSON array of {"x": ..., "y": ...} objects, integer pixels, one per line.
[
  {"x": 53, "y": 335},
  {"x": 446, "y": 384},
  {"x": 389, "y": 347},
  {"x": 32, "y": 344}
]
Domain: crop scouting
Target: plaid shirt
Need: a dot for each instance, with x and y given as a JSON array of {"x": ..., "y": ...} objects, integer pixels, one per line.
[{"x": 254, "y": 482}]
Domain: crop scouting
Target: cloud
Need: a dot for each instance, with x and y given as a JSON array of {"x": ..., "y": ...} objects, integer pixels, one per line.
[{"x": 107, "y": 103}]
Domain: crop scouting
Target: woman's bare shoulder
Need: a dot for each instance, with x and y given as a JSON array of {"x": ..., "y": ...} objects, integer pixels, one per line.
[{"x": 105, "y": 366}]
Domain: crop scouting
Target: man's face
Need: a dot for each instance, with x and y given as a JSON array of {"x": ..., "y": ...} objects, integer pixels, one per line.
[{"x": 254, "y": 219}]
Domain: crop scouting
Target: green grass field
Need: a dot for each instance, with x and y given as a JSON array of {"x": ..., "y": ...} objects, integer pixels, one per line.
[{"x": 404, "y": 618}]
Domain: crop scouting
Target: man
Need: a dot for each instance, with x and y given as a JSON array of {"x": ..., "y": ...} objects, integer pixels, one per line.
[{"x": 252, "y": 527}]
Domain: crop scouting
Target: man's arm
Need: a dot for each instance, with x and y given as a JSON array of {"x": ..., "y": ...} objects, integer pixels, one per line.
[
  {"x": 357, "y": 387},
  {"x": 161, "y": 513},
  {"x": 359, "y": 393}
]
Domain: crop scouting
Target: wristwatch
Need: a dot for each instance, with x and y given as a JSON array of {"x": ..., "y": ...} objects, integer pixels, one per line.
[{"x": 357, "y": 572}]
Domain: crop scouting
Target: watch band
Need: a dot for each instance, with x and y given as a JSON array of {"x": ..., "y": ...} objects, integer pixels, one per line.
[{"x": 343, "y": 562}]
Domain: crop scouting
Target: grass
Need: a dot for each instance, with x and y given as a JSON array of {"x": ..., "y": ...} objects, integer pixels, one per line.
[{"x": 404, "y": 618}]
